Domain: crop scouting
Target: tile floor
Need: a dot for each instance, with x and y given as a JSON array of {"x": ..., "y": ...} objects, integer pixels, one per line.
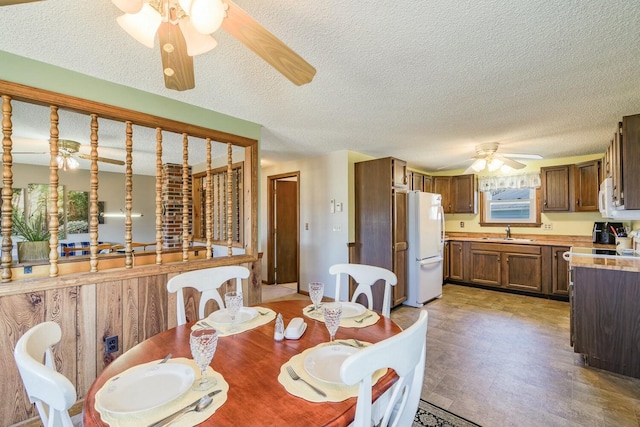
[{"x": 501, "y": 359}]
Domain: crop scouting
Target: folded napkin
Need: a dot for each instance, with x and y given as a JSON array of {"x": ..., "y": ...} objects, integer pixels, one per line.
[
  {"x": 368, "y": 318},
  {"x": 334, "y": 392},
  {"x": 145, "y": 418},
  {"x": 265, "y": 315}
]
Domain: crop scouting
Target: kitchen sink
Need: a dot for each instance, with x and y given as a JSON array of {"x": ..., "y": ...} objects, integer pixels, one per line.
[{"x": 507, "y": 239}]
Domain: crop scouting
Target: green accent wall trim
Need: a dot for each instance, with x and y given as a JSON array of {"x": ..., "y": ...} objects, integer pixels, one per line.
[{"x": 19, "y": 69}]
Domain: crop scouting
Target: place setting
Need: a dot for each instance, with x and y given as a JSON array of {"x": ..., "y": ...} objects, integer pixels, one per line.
[
  {"x": 353, "y": 315},
  {"x": 235, "y": 317},
  {"x": 314, "y": 374},
  {"x": 162, "y": 392}
]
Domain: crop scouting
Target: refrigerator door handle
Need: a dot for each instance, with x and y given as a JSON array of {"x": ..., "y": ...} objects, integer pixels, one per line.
[
  {"x": 441, "y": 213},
  {"x": 432, "y": 260}
]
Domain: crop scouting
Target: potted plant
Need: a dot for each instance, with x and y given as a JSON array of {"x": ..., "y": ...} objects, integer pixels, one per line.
[{"x": 35, "y": 232}]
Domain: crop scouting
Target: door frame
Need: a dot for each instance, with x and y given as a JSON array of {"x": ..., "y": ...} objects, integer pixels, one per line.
[{"x": 271, "y": 225}]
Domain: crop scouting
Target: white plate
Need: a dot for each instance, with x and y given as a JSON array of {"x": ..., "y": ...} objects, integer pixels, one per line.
[
  {"x": 352, "y": 309},
  {"x": 324, "y": 363},
  {"x": 223, "y": 317},
  {"x": 146, "y": 388}
]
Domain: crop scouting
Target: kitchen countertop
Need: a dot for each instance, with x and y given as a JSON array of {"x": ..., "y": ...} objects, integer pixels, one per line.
[{"x": 527, "y": 239}]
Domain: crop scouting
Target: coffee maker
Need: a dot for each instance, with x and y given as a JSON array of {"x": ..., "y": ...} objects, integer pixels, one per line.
[{"x": 603, "y": 234}]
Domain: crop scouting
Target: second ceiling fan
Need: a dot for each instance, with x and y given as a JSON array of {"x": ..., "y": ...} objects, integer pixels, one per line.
[{"x": 184, "y": 30}]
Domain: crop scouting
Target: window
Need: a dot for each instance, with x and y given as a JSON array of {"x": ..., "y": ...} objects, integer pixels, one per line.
[{"x": 516, "y": 206}]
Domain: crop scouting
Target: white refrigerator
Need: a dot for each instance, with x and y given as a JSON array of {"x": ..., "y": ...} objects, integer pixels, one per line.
[{"x": 425, "y": 240}]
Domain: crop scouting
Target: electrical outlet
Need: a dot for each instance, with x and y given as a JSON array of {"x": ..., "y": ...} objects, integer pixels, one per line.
[
  {"x": 547, "y": 226},
  {"x": 28, "y": 269},
  {"x": 461, "y": 224},
  {"x": 111, "y": 344}
]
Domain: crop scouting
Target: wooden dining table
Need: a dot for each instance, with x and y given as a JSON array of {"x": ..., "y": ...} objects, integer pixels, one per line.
[{"x": 250, "y": 363}]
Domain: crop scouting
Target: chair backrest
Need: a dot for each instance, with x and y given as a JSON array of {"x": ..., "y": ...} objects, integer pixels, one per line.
[
  {"x": 51, "y": 391},
  {"x": 207, "y": 281},
  {"x": 366, "y": 276},
  {"x": 405, "y": 353}
]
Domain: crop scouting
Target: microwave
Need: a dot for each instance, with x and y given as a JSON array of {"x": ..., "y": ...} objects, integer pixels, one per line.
[{"x": 606, "y": 207}]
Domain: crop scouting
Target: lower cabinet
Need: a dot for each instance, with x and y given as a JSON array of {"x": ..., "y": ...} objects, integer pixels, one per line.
[
  {"x": 509, "y": 266},
  {"x": 456, "y": 261},
  {"x": 445, "y": 262},
  {"x": 559, "y": 271},
  {"x": 605, "y": 319}
]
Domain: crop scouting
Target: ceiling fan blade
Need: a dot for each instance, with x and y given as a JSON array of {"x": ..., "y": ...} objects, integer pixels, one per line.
[
  {"x": 177, "y": 65},
  {"x": 101, "y": 159},
  {"x": 523, "y": 156},
  {"x": 511, "y": 163},
  {"x": 267, "y": 46},
  {"x": 12, "y": 2}
]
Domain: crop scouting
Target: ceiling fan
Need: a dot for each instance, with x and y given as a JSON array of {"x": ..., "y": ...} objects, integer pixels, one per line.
[
  {"x": 11, "y": 2},
  {"x": 184, "y": 30},
  {"x": 487, "y": 158},
  {"x": 68, "y": 150}
]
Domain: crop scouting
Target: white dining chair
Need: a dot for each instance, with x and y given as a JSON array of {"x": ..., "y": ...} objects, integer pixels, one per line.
[
  {"x": 365, "y": 276},
  {"x": 207, "y": 281},
  {"x": 51, "y": 391},
  {"x": 405, "y": 353}
]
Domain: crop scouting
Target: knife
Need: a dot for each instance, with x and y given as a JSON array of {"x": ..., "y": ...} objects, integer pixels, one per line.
[{"x": 181, "y": 411}]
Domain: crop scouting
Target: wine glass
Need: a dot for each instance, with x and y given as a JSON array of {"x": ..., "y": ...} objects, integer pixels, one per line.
[
  {"x": 233, "y": 301},
  {"x": 332, "y": 312},
  {"x": 203, "y": 345},
  {"x": 316, "y": 292}
]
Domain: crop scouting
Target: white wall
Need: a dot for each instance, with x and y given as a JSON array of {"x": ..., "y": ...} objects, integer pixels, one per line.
[
  {"x": 322, "y": 179},
  {"x": 111, "y": 190}
]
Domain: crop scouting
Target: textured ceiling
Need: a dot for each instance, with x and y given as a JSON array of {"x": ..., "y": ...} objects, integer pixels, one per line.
[{"x": 424, "y": 81}]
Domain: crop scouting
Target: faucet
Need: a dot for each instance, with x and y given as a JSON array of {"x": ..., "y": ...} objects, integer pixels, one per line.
[{"x": 508, "y": 230}]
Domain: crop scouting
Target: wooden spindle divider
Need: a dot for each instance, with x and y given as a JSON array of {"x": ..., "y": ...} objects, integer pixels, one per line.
[
  {"x": 159, "y": 210},
  {"x": 128, "y": 196},
  {"x": 93, "y": 196},
  {"x": 209, "y": 202},
  {"x": 54, "y": 180},
  {"x": 229, "y": 200},
  {"x": 185, "y": 198},
  {"x": 7, "y": 189}
]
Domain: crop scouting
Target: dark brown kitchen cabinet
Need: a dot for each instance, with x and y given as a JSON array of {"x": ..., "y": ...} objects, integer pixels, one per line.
[
  {"x": 399, "y": 170},
  {"x": 445, "y": 261},
  {"x": 464, "y": 193},
  {"x": 630, "y": 159},
  {"x": 587, "y": 184},
  {"x": 442, "y": 186},
  {"x": 459, "y": 193},
  {"x": 559, "y": 271},
  {"x": 510, "y": 266},
  {"x": 605, "y": 316},
  {"x": 456, "y": 261},
  {"x": 428, "y": 183},
  {"x": 616, "y": 166},
  {"x": 556, "y": 188},
  {"x": 417, "y": 181},
  {"x": 381, "y": 222}
]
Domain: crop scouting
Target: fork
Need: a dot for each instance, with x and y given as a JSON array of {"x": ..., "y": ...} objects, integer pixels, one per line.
[
  {"x": 364, "y": 318},
  {"x": 295, "y": 377},
  {"x": 204, "y": 324}
]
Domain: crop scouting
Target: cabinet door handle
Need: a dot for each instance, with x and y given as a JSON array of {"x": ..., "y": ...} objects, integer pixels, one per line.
[{"x": 545, "y": 203}]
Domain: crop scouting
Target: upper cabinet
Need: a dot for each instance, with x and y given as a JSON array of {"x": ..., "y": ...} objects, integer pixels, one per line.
[
  {"x": 419, "y": 181},
  {"x": 459, "y": 193},
  {"x": 442, "y": 186},
  {"x": 399, "y": 176},
  {"x": 464, "y": 193},
  {"x": 570, "y": 188},
  {"x": 556, "y": 186},
  {"x": 587, "y": 182}
]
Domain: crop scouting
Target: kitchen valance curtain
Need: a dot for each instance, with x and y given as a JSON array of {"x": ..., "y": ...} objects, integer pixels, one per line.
[{"x": 523, "y": 180}]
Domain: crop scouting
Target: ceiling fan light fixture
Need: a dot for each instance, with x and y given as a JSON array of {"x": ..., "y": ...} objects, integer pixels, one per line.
[
  {"x": 129, "y": 6},
  {"x": 143, "y": 25},
  {"x": 493, "y": 164},
  {"x": 197, "y": 43},
  {"x": 505, "y": 168},
  {"x": 479, "y": 165},
  {"x": 206, "y": 15},
  {"x": 66, "y": 162}
]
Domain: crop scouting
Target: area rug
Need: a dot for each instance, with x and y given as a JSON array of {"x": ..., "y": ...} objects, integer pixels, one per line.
[{"x": 432, "y": 416}]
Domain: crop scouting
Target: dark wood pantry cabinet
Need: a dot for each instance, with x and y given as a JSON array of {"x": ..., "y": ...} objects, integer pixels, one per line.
[{"x": 381, "y": 222}]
